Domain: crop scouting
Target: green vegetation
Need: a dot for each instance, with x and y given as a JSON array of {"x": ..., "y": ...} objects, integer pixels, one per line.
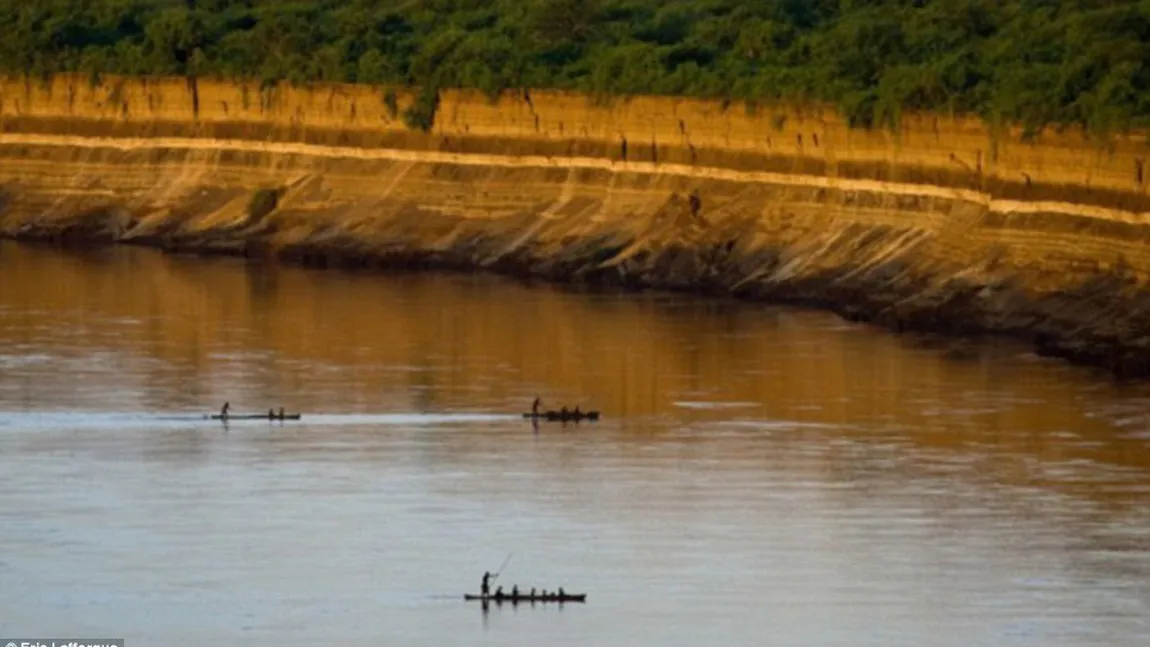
[{"x": 1037, "y": 62}]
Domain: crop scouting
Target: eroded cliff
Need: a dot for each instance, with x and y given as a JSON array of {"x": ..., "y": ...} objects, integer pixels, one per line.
[{"x": 943, "y": 225}]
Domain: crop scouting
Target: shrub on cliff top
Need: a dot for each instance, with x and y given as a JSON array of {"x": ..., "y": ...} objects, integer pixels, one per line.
[
  {"x": 1034, "y": 62},
  {"x": 421, "y": 114},
  {"x": 392, "y": 102}
]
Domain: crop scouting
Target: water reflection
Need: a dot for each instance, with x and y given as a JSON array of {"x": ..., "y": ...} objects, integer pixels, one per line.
[{"x": 180, "y": 334}]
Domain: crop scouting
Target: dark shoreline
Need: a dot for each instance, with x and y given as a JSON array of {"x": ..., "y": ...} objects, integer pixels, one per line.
[{"x": 902, "y": 307}]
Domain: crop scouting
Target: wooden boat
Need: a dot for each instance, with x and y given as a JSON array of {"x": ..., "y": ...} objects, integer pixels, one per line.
[
  {"x": 527, "y": 597},
  {"x": 562, "y": 416},
  {"x": 255, "y": 416}
]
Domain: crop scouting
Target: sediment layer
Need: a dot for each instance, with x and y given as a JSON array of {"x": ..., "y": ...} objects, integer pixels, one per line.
[{"x": 889, "y": 235}]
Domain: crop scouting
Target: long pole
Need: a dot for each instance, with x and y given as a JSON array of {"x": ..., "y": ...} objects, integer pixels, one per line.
[{"x": 504, "y": 565}]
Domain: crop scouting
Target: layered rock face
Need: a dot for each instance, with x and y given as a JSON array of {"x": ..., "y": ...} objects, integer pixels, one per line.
[{"x": 943, "y": 225}]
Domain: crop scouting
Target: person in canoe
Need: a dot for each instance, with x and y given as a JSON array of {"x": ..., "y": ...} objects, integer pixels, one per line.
[
  {"x": 515, "y": 591},
  {"x": 485, "y": 588},
  {"x": 535, "y": 407},
  {"x": 224, "y": 409}
]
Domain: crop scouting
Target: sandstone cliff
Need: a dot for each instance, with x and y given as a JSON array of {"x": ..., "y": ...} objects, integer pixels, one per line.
[{"x": 943, "y": 225}]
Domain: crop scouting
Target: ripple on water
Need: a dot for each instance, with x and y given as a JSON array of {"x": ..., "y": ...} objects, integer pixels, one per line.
[
  {"x": 102, "y": 420},
  {"x": 777, "y": 425},
  {"x": 18, "y": 361},
  {"x": 714, "y": 405}
]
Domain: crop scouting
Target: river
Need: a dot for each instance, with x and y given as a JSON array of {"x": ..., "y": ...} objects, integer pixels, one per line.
[{"x": 761, "y": 475}]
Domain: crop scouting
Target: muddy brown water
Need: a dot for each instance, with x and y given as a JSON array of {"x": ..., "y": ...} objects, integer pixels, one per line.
[{"x": 761, "y": 475}]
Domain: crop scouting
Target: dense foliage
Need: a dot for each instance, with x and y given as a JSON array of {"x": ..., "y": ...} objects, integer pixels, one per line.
[{"x": 1038, "y": 62}]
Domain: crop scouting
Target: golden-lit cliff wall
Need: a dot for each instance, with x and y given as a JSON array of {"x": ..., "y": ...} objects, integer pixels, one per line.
[
  {"x": 181, "y": 101},
  {"x": 942, "y": 150},
  {"x": 158, "y": 147}
]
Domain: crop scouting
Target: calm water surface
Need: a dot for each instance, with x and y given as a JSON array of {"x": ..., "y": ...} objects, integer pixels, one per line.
[{"x": 762, "y": 476}]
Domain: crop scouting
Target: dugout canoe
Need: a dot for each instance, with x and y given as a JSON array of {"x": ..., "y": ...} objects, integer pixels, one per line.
[
  {"x": 566, "y": 597},
  {"x": 560, "y": 416},
  {"x": 255, "y": 416}
]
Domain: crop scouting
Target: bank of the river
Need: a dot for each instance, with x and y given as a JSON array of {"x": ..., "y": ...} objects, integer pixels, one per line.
[
  {"x": 1098, "y": 323},
  {"x": 942, "y": 226}
]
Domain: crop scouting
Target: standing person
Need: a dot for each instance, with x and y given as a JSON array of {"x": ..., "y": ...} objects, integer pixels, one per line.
[{"x": 485, "y": 587}]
